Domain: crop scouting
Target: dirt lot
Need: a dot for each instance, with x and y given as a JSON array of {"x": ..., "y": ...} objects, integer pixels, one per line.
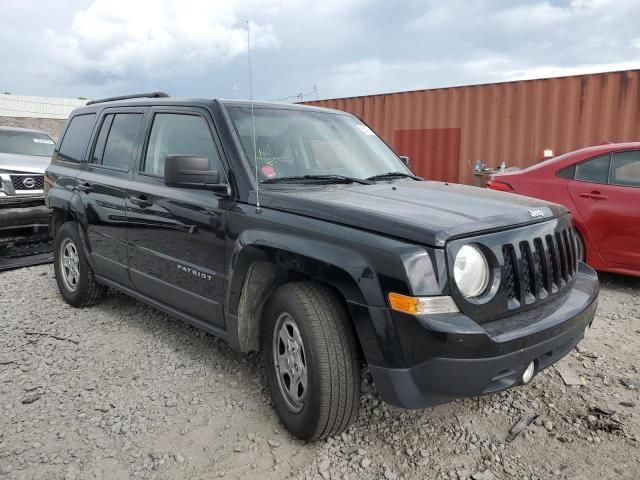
[{"x": 122, "y": 391}]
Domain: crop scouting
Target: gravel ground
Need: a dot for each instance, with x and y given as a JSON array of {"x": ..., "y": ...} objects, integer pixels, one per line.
[{"x": 122, "y": 391}]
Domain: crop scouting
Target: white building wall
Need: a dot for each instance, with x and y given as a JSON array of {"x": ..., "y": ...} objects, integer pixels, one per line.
[{"x": 37, "y": 107}]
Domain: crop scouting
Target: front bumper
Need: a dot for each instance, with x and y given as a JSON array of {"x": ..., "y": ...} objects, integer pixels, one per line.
[
  {"x": 467, "y": 359},
  {"x": 8, "y": 201},
  {"x": 24, "y": 224}
]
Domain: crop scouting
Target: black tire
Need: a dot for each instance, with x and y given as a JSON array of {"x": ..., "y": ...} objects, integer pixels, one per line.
[
  {"x": 87, "y": 291},
  {"x": 332, "y": 398}
]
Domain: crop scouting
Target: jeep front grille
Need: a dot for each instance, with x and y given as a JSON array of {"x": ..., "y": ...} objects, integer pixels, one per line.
[
  {"x": 543, "y": 266},
  {"x": 27, "y": 182},
  {"x": 530, "y": 265}
]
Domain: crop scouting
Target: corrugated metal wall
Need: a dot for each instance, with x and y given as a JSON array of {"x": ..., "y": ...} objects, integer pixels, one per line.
[
  {"x": 434, "y": 152},
  {"x": 511, "y": 122},
  {"x": 26, "y": 106}
]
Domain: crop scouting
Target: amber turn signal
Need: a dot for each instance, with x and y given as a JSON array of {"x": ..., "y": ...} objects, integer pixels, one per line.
[{"x": 422, "y": 305}]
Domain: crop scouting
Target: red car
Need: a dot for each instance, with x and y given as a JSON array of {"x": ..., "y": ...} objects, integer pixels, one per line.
[{"x": 601, "y": 187}]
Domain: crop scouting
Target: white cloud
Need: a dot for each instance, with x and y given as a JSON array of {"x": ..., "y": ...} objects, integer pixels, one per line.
[
  {"x": 120, "y": 38},
  {"x": 549, "y": 71},
  {"x": 374, "y": 75},
  {"x": 537, "y": 14},
  {"x": 98, "y": 48}
]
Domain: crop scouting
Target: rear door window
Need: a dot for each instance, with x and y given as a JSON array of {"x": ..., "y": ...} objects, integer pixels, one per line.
[
  {"x": 625, "y": 169},
  {"x": 76, "y": 138},
  {"x": 595, "y": 170},
  {"x": 120, "y": 143}
]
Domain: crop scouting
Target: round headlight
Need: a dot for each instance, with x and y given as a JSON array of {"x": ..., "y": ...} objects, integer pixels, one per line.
[{"x": 471, "y": 271}]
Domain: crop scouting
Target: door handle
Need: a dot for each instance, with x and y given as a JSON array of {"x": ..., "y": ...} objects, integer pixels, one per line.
[
  {"x": 595, "y": 195},
  {"x": 85, "y": 187},
  {"x": 141, "y": 200}
]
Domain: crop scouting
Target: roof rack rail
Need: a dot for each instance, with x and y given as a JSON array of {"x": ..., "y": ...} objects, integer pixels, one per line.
[{"x": 127, "y": 97}]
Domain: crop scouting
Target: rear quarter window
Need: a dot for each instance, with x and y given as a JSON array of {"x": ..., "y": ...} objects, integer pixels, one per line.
[
  {"x": 76, "y": 138},
  {"x": 567, "y": 172}
]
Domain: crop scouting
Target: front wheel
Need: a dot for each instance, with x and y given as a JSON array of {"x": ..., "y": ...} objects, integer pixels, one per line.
[{"x": 311, "y": 360}]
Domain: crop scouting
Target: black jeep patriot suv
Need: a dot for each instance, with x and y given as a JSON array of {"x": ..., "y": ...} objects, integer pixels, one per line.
[{"x": 296, "y": 231}]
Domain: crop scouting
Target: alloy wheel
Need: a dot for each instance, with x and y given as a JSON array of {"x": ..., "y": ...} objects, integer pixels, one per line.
[
  {"x": 70, "y": 264},
  {"x": 290, "y": 362}
]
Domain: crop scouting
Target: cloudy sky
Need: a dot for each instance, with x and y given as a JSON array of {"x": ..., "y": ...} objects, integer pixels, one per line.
[{"x": 96, "y": 48}]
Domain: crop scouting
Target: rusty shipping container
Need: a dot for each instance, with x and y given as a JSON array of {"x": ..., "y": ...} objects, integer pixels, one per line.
[{"x": 446, "y": 130}]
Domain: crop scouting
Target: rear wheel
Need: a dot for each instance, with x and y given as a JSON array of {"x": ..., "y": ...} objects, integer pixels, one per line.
[
  {"x": 74, "y": 276},
  {"x": 311, "y": 360}
]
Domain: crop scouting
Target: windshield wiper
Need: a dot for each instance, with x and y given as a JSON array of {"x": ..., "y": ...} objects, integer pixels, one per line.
[
  {"x": 315, "y": 178},
  {"x": 390, "y": 175}
]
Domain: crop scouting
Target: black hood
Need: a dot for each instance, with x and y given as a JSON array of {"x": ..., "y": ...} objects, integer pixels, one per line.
[{"x": 425, "y": 212}]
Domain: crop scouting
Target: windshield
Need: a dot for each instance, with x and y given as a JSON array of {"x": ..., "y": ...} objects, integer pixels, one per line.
[
  {"x": 26, "y": 143},
  {"x": 299, "y": 143}
]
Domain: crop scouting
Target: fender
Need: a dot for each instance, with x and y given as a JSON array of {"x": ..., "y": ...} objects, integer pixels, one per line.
[
  {"x": 592, "y": 254},
  {"x": 59, "y": 198},
  {"x": 69, "y": 202},
  {"x": 79, "y": 214},
  {"x": 77, "y": 210},
  {"x": 347, "y": 270},
  {"x": 261, "y": 260}
]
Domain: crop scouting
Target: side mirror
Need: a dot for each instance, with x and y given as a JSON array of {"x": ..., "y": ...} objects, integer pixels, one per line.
[
  {"x": 406, "y": 160},
  {"x": 191, "y": 171}
]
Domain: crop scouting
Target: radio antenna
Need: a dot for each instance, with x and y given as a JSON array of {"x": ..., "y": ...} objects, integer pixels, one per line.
[{"x": 253, "y": 121}]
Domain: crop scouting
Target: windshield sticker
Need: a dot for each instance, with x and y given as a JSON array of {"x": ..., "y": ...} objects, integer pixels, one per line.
[
  {"x": 268, "y": 171},
  {"x": 364, "y": 129},
  {"x": 43, "y": 140}
]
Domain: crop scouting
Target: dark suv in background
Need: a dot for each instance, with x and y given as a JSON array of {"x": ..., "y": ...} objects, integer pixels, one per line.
[{"x": 297, "y": 231}]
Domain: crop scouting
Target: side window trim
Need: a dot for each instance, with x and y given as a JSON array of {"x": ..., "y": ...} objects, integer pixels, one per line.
[
  {"x": 177, "y": 110},
  {"x": 136, "y": 151},
  {"x": 104, "y": 118}
]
